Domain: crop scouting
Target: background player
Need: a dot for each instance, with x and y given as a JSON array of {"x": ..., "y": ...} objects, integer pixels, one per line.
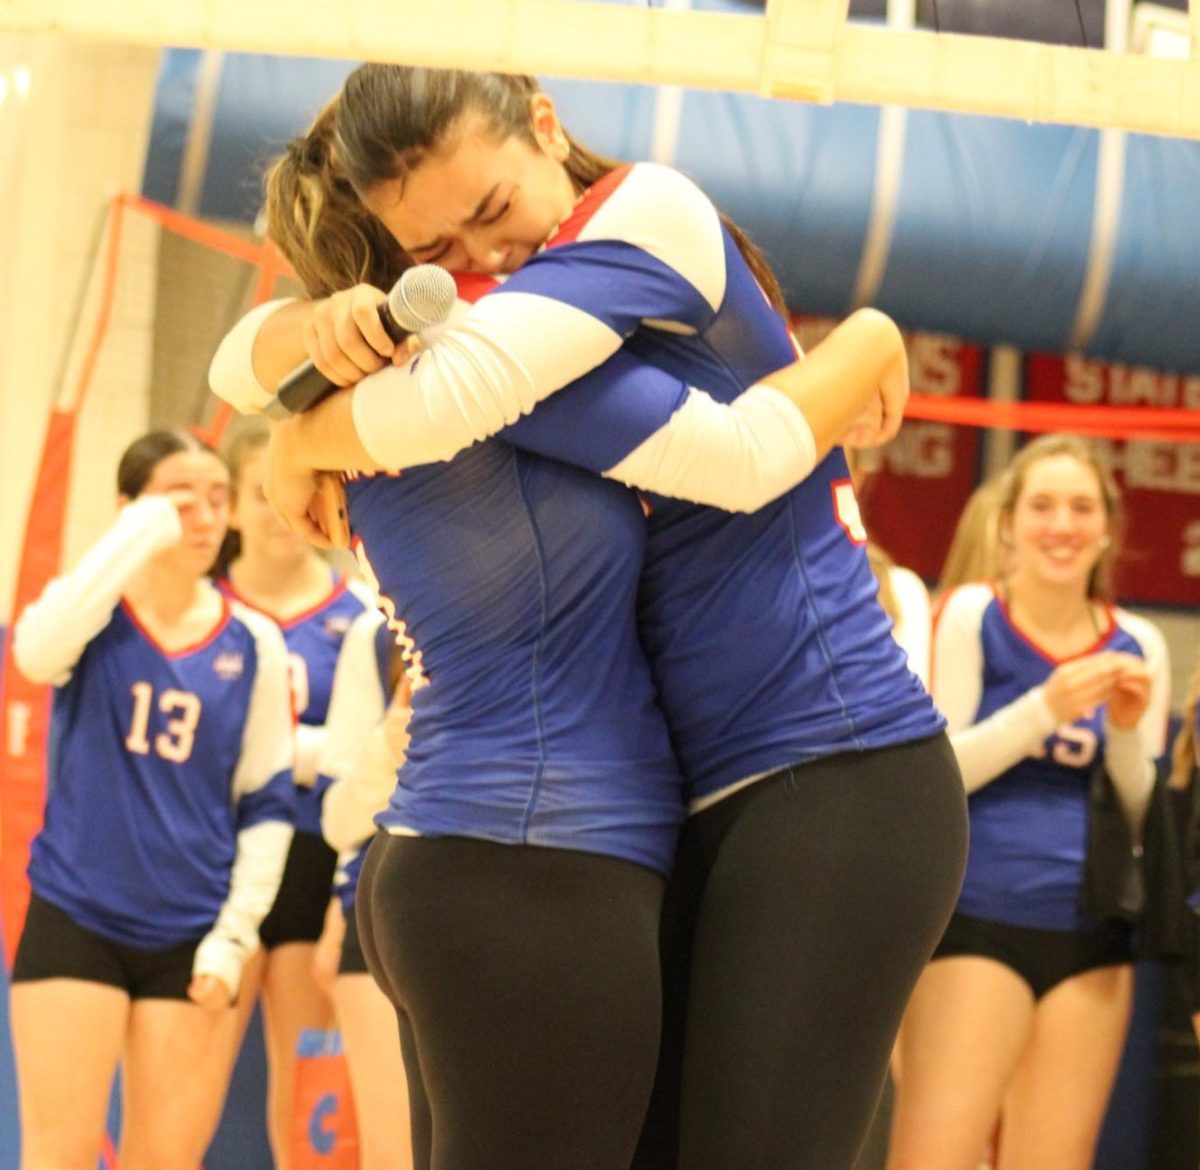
[
  {"x": 367, "y": 741},
  {"x": 1024, "y": 1008},
  {"x": 167, "y": 823},
  {"x": 284, "y": 578}
]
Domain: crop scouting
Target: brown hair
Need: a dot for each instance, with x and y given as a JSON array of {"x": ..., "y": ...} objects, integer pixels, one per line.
[
  {"x": 246, "y": 437},
  {"x": 1047, "y": 447},
  {"x": 144, "y": 454},
  {"x": 390, "y": 117},
  {"x": 1183, "y": 756},
  {"x": 318, "y": 222}
]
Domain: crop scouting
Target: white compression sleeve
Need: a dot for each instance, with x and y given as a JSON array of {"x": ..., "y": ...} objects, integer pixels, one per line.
[
  {"x": 737, "y": 456},
  {"x": 262, "y": 851},
  {"x": 231, "y": 375},
  {"x": 53, "y": 631}
]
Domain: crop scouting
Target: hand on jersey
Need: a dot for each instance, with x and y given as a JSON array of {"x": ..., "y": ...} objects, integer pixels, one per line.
[
  {"x": 1078, "y": 687},
  {"x": 345, "y": 337},
  {"x": 210, "y": 993}
]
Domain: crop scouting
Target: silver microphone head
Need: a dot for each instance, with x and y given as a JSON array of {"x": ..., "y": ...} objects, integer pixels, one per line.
[{"x": 423, "y": 296}]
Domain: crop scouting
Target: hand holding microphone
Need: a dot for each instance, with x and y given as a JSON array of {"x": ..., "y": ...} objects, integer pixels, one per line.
[{"x": 421, "y": 298}]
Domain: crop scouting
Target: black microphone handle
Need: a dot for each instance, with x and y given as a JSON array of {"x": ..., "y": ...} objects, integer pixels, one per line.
[
  {"x": 301, "y": 390},
  {"x": 305, "y": 386}
]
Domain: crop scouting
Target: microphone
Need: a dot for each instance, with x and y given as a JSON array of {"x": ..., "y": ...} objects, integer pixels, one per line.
[{"x": 423, "y": 296}]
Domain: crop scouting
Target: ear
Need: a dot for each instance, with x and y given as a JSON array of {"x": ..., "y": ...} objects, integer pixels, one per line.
[{"x": 548, "y": 132}]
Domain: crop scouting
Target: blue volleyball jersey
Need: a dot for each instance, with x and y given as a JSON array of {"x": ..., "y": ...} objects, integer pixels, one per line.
[
  {"x": 1029, "y": 825},
  {"x": 158, "y": 761},
  {"x": 313, "y": 639},
  {"x": 510, "y": 582},
  {"x": 764, "y": 631}
]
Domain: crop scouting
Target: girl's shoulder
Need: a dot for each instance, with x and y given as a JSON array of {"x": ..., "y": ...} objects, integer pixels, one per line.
[
  {"x": 258, "y": 629},
  {"x": 1149, "y": 639},
  {"x": 965, "y": 604}
]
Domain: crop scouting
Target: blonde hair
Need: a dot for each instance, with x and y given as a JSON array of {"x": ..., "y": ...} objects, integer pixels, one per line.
[
  {"x": 244, "y": 438},
  {"x": 314, "y": 216},
  {"x": 975, "y": 553},
  {"x": 1099, "y": 584}
]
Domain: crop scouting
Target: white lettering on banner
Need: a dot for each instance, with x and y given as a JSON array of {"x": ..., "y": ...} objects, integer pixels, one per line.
[
  {"x": 1154, "y": 467},
  {"x": 934, "y": 360},
  {"x": 19, "y": 714},
  {"x": 1189, "y": 555},
  {"x": 1092, "y": 382},
  {"x": 934, "y": 364},
  {"x": 924, "y": 450},
  {"x": 1084, "y": 380}
]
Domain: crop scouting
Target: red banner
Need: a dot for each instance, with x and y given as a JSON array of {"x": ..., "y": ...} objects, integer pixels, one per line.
[{"x": 1160, "y": 480}]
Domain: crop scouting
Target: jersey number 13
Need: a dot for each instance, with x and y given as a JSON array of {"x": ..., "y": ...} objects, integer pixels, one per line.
[{"x": 183, "y": 711}]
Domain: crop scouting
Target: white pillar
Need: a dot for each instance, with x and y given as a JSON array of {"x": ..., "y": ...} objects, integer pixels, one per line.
[{"x": 74, "y": 124}]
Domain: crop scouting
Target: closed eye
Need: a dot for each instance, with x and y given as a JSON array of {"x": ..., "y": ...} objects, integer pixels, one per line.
[
  {"x": 430, "y": 255},
  {"x": 495, "y": 217}
]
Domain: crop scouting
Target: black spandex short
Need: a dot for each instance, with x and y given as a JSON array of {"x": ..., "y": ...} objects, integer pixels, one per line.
[
  {"x": 298, "y": 915},
  {"x": 353, "y": 961},
  {"x": 1043, "y": 958},
  {"x": 54, "y": 946}
]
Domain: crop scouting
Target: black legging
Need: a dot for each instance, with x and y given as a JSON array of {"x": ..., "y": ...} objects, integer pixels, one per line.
[
  {"x": 801, "y": 912},
  {"x": 526, "y": 981}
]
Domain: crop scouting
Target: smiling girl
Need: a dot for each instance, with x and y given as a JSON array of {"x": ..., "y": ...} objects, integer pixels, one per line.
[{"x": 1024, "y": 1007}]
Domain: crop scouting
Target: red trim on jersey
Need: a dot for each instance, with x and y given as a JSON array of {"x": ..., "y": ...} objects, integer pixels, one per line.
[
  {"x": 183, "y": 651},
  {"x": 472, "y": 286},
  {"x": 589, "y": 203},
  {"x": 340, "y": 585},
  {"x": 1101, "y": 639}
]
